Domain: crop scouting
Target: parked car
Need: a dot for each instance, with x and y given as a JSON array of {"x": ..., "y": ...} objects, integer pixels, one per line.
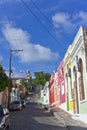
[
  {"x": 4, "y": 118},
  {"x": 23, "y": 102},
  {"x": 15, "y": 105}
]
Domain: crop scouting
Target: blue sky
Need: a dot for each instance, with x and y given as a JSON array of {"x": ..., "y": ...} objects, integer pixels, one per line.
[{"x": 42, "y": 28}]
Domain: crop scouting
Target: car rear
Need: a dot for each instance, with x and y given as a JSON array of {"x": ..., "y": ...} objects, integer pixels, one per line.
[{"x": 15, "y": 105}]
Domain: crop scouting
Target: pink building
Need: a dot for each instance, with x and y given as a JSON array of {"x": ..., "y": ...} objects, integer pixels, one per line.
[
  {"x": 51, "y": 85},
  {"x": 61, "y": 85},
  {"x": 4, "y": 97}
]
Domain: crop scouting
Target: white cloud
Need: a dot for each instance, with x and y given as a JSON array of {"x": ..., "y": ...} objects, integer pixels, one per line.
[
  {"x": 68, "y": 22},
  {"x": 83, "y": 16},
  {"x": 62, "y": 20},
  {"x": 20, "y": 39}
]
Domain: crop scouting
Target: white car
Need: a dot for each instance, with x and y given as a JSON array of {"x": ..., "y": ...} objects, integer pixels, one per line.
[{"x": 15, "y": 105}]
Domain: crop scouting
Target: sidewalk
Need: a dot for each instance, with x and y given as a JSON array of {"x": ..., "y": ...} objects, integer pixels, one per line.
[
  {"x": 81, "y": 117},
  {"x": 67, "y": 119}
]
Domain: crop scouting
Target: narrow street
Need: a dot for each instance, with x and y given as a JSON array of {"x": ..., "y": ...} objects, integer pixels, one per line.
[{"x": 35, "y": 117}]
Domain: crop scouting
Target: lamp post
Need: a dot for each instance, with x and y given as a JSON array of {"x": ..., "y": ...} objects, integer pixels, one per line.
[{"x": 10, "y": 71}]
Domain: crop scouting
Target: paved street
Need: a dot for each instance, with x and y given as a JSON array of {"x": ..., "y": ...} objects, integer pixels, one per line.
[{"x": 34, "y": 117}]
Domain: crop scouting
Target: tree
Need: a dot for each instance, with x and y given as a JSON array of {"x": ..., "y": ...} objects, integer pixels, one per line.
[
  {"x": 4, "y": 80},
  {"x": 40, "y": 78},
  {"x": 23, "y": 83}
]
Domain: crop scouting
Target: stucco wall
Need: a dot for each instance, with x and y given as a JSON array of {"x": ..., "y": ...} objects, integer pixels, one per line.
[{"x": 83, "y": 107}]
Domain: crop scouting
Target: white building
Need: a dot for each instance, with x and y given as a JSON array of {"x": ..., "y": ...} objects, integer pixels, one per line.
[{"x": 45, "y": 94}]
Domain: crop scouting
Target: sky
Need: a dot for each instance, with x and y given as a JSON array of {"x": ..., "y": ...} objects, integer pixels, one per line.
[{"x": 41, "y": 29}]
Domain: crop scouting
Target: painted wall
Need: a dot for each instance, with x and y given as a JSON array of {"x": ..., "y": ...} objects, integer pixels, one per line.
[
  {"x": 45, "y": 94},
  {"x": 52, "y": 95},
  {"x": 61, "y": 83},
  {"x": 72, "y": 76},
  {"x": 73, "y": 60},
  {"x": 4, "y": 97},
  {"x": 51, "y": 89},
  {"x": 56, "y": 103}
]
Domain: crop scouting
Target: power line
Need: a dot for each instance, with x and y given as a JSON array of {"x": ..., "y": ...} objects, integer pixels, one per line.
[
  {"x": 41, "y": 12},
  {"x": 42, "y": 23},
  {"x": 37, "y": 7}
]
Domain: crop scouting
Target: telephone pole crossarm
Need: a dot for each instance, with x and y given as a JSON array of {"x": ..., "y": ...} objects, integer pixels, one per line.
[{"x": 10, "y": 71}]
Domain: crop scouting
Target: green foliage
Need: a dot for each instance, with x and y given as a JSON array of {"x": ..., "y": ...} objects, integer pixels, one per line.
[
  {"x": 3, "y": 79},
  {"x": 26, "y": 83},
  {"x": 23, "y": 83},
  {"x": 41, "y": 78},
  {"x": 15, "y": 85}
]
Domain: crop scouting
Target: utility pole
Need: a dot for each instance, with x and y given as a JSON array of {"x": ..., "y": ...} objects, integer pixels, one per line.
[{"x": 10, "y": 71}]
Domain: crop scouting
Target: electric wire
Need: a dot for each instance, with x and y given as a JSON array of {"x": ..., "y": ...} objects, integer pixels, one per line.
[
  {"x": 42, "y": 24},
  {"x": 37, "y": 7}
]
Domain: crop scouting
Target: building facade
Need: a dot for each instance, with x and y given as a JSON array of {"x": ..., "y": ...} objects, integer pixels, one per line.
[
  {"x": 72, "y": 77},
  {"x": 61, "y": 86},
  {"x": 75, "y": 73},
  {"x": 51, "y": 89},
  {"x": 45, "y": 95},
  {"x": 56, "y": 103}
]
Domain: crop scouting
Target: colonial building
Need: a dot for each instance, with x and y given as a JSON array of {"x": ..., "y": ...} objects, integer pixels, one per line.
[
  {"x": 18, "y": 91},
  {"x": 56, "y": 103},
  {"x": 71, "y": 77},
  {"x": 61, "y": 86},
  {"x": 51, "y": 89},
  {"x": 68, "y": 80},
  {"x": 45, "y": 95},
  {"x": 75, "y": 73}
]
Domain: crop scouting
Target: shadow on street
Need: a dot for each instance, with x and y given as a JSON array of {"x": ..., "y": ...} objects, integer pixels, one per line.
[{"x": 34, "y": 117}]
